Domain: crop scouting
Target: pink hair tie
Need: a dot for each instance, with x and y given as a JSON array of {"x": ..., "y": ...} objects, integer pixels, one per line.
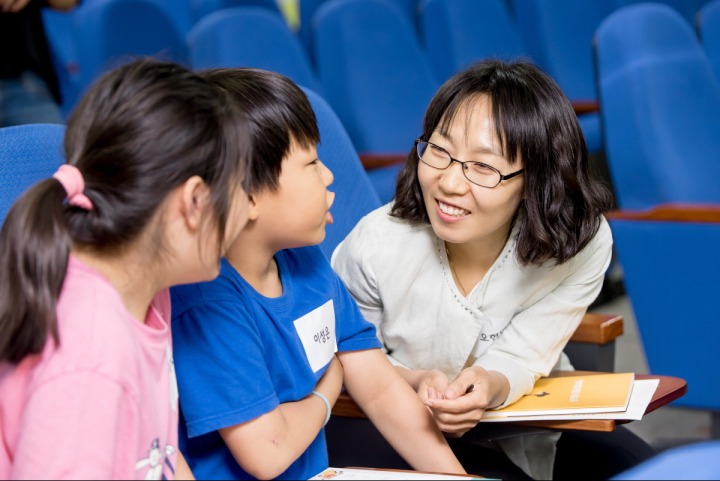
[{"x": 72, "y": 181}]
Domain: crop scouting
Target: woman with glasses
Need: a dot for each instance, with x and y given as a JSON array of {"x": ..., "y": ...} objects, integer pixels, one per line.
[{"x": 495, "y": 245}]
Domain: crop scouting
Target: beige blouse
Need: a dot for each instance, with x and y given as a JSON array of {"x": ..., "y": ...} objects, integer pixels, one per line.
[{"x": 516, "y": 321}]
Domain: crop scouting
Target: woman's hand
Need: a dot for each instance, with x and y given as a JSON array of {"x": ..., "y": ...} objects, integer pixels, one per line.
[{"x": 460, "y": 407}]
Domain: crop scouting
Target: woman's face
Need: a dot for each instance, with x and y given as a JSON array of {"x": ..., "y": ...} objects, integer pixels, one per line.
[{"x": 460, "y": 211}]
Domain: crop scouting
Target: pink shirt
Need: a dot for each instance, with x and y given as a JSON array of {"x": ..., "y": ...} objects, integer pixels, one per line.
[{"x": 102, "y": 404}]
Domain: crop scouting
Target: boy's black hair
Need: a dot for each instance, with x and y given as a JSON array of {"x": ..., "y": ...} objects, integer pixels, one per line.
[{"x": 278, "y": 111}]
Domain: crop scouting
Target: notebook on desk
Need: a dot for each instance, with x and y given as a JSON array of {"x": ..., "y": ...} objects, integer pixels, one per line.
[{"x": 580, "y": 394}]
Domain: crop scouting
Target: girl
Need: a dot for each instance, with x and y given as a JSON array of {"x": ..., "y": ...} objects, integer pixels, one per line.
[
  {"x": 148, "y": 197},
  {"x": 482, "y": 268}
]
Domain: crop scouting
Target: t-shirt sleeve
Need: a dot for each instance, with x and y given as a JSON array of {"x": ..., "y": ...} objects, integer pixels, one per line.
[
  {"x": 66, "y": 435},
  {"x": 223, "y": 378},
  {"x": 352, "y": 260},
  {"x": 354, "y": 332}
]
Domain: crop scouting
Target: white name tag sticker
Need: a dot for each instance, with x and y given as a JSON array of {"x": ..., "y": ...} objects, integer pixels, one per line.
[{"x": 316, "y": 330}]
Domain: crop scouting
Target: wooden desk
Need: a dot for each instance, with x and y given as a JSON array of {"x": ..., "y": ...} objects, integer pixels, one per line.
[{"x": 669, "y": 389}]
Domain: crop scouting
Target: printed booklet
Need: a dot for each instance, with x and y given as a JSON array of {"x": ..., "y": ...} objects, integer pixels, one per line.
[{"x": 578, "y": 394}]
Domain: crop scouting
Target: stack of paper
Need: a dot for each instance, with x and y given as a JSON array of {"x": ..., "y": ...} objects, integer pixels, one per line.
[
  {"x": 586, "y": 396},
  {"x": 385, "y": 474}
]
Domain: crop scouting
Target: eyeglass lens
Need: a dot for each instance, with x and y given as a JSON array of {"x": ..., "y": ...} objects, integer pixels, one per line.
[{"x": 476, "y": 172}]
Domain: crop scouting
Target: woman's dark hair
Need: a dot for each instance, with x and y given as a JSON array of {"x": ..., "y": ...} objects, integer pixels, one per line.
[
  {"x": 277, "y": 111},
  {"x": 139, "y": 132},
  {"x": 562, "y": 200}
]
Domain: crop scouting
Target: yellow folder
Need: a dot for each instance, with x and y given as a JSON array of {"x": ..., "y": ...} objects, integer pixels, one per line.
[{"x": 592, "y": 393}]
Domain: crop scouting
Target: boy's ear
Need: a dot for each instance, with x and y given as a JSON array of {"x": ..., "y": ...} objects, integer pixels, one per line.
[
  {"x": 194, "y": 198},
  {"x": 254, "y": 207}
]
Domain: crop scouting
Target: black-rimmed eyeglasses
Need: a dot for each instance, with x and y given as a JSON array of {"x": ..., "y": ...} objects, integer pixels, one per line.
[{"x": 476, "y": 172}]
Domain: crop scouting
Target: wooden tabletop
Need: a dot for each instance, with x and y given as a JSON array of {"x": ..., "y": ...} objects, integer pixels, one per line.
[{"x": 669, "y": 389}]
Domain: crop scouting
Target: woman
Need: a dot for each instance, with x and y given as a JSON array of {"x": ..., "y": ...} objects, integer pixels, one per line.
[{"x": 482, "y": 268}]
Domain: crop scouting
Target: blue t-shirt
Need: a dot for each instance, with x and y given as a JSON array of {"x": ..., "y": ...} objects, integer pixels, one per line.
[{"x": 239, "y": 355}]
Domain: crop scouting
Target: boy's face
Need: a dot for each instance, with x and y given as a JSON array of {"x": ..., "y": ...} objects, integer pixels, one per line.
[{"x": 296, "y": 214}]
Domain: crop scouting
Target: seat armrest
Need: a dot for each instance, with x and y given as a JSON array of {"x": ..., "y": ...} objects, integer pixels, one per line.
[
  {"x": 706, "y": 213},
  {"x": 585, "y": 106},
  {"x": 598, "y": 328},
  {"x": 377, "y": 161}
]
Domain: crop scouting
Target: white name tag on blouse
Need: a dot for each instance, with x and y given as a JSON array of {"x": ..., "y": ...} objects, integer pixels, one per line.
[{"x": 316, "y": 330}]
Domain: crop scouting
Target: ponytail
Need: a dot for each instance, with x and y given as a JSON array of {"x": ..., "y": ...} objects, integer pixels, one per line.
[
  {"x": 139, "y": 132},
  {"x": 34, "y": 250}
]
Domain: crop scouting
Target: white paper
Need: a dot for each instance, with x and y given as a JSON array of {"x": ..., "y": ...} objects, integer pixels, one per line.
[{"x": 370, "y": 474}]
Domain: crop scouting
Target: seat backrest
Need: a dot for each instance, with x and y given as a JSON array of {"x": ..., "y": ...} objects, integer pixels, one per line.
[
  {"x": 376, "y": 76},
  {"x": 200, "y": 8},
  {"x": 28, "y": 153},
  {"x": 250, "y": 37},
  {"x": 687, "y": 8},
  {"x": 63, "y": 51},
  {"x": 559, "y": 35},
  {"x": 659, "y": 103},
  {"x": 180, "y": 12},
  {"x": 459, "y": 32},
  {"x": 354, "y": 194},
  {"x": 692, "y": 461},
  {"x": 708, "y": 29},
  {"x": 411, "y": 9},
  {"x": 306, "y": 11},
  {"x": 670, "y": 272},
  {"x": 111, "y": 32}
]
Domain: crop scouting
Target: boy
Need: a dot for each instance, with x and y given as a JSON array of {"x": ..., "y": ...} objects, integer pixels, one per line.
[{"x": 263, "y": 351}]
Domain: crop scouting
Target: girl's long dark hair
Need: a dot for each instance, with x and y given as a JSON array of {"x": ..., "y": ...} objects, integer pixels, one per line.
[
  {"x": 140, "y": 131},
  {"x": 562, "y": 200}
]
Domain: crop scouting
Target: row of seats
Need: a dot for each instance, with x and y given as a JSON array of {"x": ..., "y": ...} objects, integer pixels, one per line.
[
  {"x": 33, "y": 152},
  {"x": 341, "y": 46},
  {"x": 659, "y": 100}
]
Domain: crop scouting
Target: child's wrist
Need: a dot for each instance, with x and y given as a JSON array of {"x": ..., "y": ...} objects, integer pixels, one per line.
[{"x": 327, "y": 406}]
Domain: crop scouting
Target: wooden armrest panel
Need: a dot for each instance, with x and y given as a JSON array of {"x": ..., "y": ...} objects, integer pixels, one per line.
[
  {"x": 707, "y": 213},
  {"x": 376, "y": 161},
  {"x": 345, "y": 407},
  {"x": 585, "y": 106},
  {"x": 598, "y": 328}
]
